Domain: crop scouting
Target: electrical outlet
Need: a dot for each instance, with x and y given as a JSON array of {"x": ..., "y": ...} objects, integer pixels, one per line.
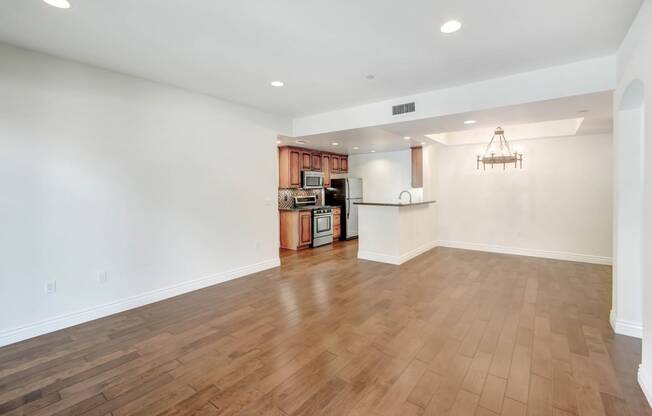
[
  {"x": 50, "y": 287},
  {"x": 102, "y": 277}
]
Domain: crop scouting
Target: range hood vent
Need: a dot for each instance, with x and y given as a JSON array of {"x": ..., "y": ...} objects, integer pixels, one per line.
[{"x": 403, "y": 108}]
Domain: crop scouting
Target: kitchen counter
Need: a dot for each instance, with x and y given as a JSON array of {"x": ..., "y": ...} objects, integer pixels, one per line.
[
  {"x": 395, "y": 233},
  {"x": 391, "y": 204},
  {"x": 296, "y": 209}
]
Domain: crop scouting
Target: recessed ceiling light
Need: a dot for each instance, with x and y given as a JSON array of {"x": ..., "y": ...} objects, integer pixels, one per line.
[
  {"x": 356, "y": 148},
  {"x": 335, "y": 144},
  {"x": 278, "y": 142},
  {"x": 423, "y": 142},
  {"x": 301, "y": 141},
  {"x": 406, "y": 138},
  {"x": 373, "y": 151},
  {"x": 277, "y": 84},
  {"x": 470, "y": 122},
  {"x": 61, "y": 4},
  {"x": 451, "y": 26}
]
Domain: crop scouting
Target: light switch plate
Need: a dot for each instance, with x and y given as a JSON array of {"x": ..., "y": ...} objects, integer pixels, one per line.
[{"x": 50, "y": 287}]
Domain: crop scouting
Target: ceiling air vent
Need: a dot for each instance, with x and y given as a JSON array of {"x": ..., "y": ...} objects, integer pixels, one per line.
[{"x": 403, "y": 108}]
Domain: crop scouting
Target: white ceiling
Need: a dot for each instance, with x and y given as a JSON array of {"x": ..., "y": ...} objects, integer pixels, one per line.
[
  {"x": 532, "y": 120},
  {"x": 322, "y": 50}
]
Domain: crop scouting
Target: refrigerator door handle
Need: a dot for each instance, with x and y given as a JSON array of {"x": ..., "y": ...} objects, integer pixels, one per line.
[{"x": 348, "y": 199}]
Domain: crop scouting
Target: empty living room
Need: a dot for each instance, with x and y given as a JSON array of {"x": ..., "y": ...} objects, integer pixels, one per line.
[{"x": 363, "y": 208}]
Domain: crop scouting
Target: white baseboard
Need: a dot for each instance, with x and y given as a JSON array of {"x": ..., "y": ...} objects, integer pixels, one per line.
[
  {"x": 14, "y": 335},
  {"x": 645, "y": 382},
  {"x": 556, "y": 255},
  {"x": 624, "y": 327},
  {"x": 396, "y": 260}
]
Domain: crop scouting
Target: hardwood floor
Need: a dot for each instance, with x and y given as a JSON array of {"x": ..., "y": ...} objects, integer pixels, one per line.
[{"x": 450, "y": 333}]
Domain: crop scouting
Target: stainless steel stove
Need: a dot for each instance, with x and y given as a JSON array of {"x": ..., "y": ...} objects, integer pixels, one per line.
[{"x": 322, "y": 226}]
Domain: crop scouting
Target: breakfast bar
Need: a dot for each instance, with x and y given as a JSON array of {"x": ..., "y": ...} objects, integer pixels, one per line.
[{"x": 395, "y": 232}]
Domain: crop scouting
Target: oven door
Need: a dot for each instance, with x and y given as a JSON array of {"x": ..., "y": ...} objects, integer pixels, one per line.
[
  {"x": 312, "y": 180},
  {"x": 322, "y": 225}
]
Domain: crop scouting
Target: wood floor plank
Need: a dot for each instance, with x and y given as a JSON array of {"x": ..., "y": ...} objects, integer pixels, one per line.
[
  {"x": 518, "y": 381},
  {"x": 475, "y": 377},
  {"x": 540, "y": 397},
  {"x": 493, "y": 393},
  {"x": 398, "y": 393},
  {"x": 425, "y": 388}
]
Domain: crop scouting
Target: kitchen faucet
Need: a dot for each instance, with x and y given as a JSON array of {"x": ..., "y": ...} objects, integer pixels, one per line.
[{"x": 401, "y": 195}]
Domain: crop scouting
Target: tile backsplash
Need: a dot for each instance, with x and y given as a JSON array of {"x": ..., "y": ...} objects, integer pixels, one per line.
[{"x": 286, "y": 196}]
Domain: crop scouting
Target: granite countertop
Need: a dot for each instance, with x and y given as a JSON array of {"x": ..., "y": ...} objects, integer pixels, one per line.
[
  {"x": 306, "y": 208},
  {"x": 296, "y": 209},
  {"x": 392, "y": 204}
]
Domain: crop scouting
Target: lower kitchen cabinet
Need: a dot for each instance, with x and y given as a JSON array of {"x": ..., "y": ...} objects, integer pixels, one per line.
[
  {"x": 337, "y": 228},
  {"x": 296, "y": 229}
]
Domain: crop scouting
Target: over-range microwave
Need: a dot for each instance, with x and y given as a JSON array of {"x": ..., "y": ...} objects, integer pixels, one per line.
[{"x": 310, "y": 180}]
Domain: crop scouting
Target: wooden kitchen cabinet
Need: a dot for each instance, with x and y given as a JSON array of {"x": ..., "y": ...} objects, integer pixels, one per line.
[
  {"x": 344, "y": 164},
  {"x": 289, "y": 167},
  {"x": 306, "y": 160},
  {"x": 305, "y": 228},
  {"x": 335, "y": 163},
  {"x": 337, "y": 223},
  {"x": 295, "y": 229},
  {"x": 294, "y": 160},
  {"x": 417, "y": 167},
  {"x": 326, "y": 168},
  {"x": 316, "y": 162}
]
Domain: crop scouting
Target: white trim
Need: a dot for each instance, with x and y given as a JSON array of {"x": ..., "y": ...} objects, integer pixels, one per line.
[
  {"x": 556, "y": 255},
  {"x": 624, "y": 327},
  {"x": 396, "y": 260},
  {"x": 645, "y": 382},
  {"x": 13, "y": 335},
  {"x": 381, "y": 258}
]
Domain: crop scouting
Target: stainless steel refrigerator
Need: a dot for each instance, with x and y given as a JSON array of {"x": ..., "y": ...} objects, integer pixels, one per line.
[{"x": 344, "y": 193}]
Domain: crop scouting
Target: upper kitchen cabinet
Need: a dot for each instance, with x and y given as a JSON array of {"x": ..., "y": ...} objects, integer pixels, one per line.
[
  {"x": 339, "y": 163},
  {"x": 289, "y": 167},
  {"x": 417, "y": 167},
  {"x": 293, "y": 160},
  {"x": 326, "y": 168},
  {"x": 306, "y": 160},
  {"x": 335, "y": 163},
  {"x": 316, "y": 162}
]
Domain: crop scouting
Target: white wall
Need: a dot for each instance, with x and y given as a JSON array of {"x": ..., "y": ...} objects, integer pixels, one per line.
[
  {"x": 558, "y": 205},
  {"x": 384, "y": 175},
  {"x": 103, "y": 172},
  {"x": 635, "y": 67}
]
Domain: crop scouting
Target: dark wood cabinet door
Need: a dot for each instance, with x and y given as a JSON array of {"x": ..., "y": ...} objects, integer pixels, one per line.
[
  {"x": 295, "y": 168},
  {"x": 306, "y": 160},
  {"x": 344, "y": 164},
  {"x": 305, "y": 228},
  {"x": 316, "y": 161},
  {"x": 335, "y": 163},
  {"x": 417, "y": 167},
  {"x": 326, "y": 168},
  {"x": 337, "y": 232}
]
